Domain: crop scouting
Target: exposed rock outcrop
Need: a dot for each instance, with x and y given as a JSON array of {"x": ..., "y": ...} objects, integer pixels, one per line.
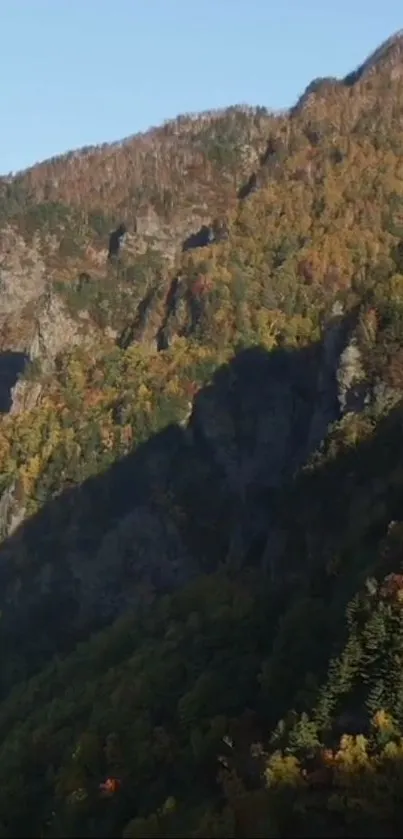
[
  {"x": 22, "y": 272},
  {"x": 34, "y": 322},
  {"x": 262, "y": 423},
  {"x": 55, "y": 331}
]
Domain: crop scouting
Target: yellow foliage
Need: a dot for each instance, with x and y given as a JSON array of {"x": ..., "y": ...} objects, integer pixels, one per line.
[
  {"x": 383, "y": 721},
  {"x": 396, "y": 287},
  {"x": 144, "y": 393},
  {"x": 29, "y": 473},
  {"x": 283, "y": 770},
  {"x": 352, "y": 753}
]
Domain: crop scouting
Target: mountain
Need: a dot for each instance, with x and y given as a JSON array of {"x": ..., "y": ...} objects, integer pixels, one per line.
[{"x": 201, "y": 487}]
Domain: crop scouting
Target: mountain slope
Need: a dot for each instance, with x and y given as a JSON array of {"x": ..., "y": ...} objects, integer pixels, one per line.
[
  {"x": 201, "y": 489},
  {"x": 163, "y": 182}
]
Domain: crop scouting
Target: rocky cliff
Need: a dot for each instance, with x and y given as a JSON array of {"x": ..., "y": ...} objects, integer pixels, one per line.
[{"x": 248, "y": 434}]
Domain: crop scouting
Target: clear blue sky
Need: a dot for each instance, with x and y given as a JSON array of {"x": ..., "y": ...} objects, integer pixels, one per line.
[{"x": 78, "y": 72}]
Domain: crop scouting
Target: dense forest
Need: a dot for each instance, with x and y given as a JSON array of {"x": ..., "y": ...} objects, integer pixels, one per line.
[{"x": 201, "y": 476}]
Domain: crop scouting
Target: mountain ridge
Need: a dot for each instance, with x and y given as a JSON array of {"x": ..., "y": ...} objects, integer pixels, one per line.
[{"x": 390, "y": 47}]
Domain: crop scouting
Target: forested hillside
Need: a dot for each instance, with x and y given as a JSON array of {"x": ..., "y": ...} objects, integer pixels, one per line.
[{"x": 201, "y": 476}]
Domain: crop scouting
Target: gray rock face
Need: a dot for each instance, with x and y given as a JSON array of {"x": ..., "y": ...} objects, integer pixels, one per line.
[
  {"x": 264, "y": 426},
  {"x": 151, "y": 557},
  {"x": 142, "y": 554},
  {"x": 56, "y": 330},
  {"x": 12, "y": 513},
  {"x": 33, "y": 319},
  {"x": 22, "y": 272}
]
